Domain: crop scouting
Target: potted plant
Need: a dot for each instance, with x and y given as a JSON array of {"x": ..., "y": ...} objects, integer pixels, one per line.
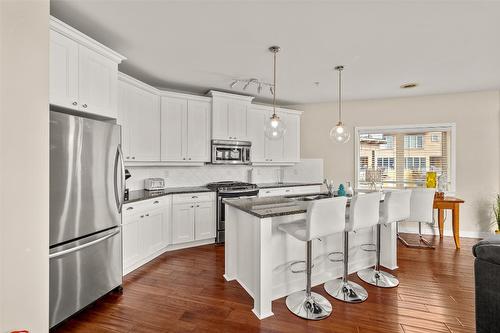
[{"x": 496, "y": 211}]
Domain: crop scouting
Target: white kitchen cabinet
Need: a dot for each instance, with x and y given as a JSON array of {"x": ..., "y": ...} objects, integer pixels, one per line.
[
  {"x": 291, "y": 138},
  {"x": 193, "y": 217},
  {"x": 286, "y": 150},
  {"x": 83, "y": 73},
  {"x": 293, "y": 190},
  {"x": 139, "y": 116},
  {"x": 204, "y": 223},
  {"x": 198, "y": 131},
  {"x": 145, "y": 231},
  {"x": 229, "y": 116},
  {"x": 256, "y": 122},
  {"x": 63, "y": 71},
  {"x": 185, "y": 130},
  {"x": 182, "y": 223},
  {"x": 97, "y": 83}
]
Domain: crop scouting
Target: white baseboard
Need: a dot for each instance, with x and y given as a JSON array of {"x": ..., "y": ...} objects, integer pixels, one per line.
[{"x": 426, "y": 230}]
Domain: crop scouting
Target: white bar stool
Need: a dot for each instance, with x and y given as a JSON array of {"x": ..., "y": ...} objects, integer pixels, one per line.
[
  {"x": 395, "y": 208},
  {"x": 421, "y": 211},
  {"x": 363, "y": 213},
  {"x": 324, "y": 217}
]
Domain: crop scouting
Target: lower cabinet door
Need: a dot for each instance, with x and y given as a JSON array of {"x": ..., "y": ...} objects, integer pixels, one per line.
[
  {"x": 152, "y": 231},
  {"x": 132, "y": 247},
  {"x": 204, "y": 224},
  {"x": 182, "y": 223}
]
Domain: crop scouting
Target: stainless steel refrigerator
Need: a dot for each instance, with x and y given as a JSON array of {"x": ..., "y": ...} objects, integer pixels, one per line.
[{"x": 86, "y": 196}]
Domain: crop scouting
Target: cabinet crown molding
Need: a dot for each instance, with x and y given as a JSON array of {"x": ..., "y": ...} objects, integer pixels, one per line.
[
  {"x": 70, "y": 32},
  {"x": 139, "y": 84},
  {"x": 214, "y": 93}
]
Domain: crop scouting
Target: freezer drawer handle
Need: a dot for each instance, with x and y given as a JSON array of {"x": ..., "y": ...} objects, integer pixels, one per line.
[{"x": 78, "y": 248}]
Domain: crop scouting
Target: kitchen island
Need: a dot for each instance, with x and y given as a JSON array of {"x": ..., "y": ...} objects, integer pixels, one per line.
[{"x": 269, "y": 264}]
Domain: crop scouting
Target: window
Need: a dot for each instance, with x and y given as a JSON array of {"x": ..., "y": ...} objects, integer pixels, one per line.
[
  {"x": 414, "y": 141},
  {"x": 415, "y": 163},
  {"x": 404, "y": 154},
  {"x": 385, "y": 163},
  {"x": 363, "y": 162},
  {"x": 389, "y": 142}
]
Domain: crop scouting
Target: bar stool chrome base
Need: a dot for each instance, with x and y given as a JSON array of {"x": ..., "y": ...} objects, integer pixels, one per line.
[
  {"x": 314, "y": 307},
  {"x": 378, "y": 278},
  {"x": 349, "y": 291}
]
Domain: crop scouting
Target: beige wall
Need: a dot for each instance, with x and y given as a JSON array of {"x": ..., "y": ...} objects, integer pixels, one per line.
[
  {"x": 477, "y": 117},
  {"x": 24, "y": 165}
]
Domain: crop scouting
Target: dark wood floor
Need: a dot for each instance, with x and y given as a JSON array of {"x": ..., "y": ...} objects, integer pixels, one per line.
[{"x": 184, "y": 291}]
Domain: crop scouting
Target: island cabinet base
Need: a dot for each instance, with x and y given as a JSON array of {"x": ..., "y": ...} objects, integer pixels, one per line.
[{"x": 261, "y": 257}]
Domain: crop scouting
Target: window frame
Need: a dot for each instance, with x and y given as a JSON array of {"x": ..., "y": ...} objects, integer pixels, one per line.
[{"x": 410, "y": 129}]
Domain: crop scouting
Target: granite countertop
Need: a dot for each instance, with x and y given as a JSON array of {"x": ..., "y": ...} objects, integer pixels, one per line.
[
  {"x": 268, "y": 207},
  {"x": 276, "y": 185},
  {"x": 139, "y": 195}
]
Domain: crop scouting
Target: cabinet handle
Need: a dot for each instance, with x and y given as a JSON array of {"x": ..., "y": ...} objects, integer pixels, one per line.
[
  {"x": 128, "y": 157},
  {"x": 184, "y": 158},
  {"x": 194, "y": 197},
  {"x": 130, "y": 208},
  {"x": 142, "y": 216},
  {"x": 189, "y": 158},
  {"x": 197, "y": 205},
  {"x": 133, "y": 157},
  {"x": 287, "y": 190},
  {"x": 156, "y": 202},
  {"x": 84, "y": 106},
  {"x": 74, "y": 103},
  {"x": 192, "y": 206},
  {"x": 147, "y": 214}
]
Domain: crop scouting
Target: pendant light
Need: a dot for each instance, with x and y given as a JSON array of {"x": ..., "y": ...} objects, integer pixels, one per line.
[
  {"x": 339, "y": 133},
  {"x": 275, "y": 128}
]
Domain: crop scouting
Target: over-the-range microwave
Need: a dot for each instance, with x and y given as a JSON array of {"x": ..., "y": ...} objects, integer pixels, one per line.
[{"x": 231, "y": 152}]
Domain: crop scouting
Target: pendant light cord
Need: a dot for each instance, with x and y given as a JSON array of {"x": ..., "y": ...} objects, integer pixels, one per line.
[
  {"x": 340, "y": 94},
  {"x": 274, "y": 86}
]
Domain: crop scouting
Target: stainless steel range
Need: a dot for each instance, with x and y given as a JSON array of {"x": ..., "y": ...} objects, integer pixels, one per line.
[{"x": 229, "y": 189}]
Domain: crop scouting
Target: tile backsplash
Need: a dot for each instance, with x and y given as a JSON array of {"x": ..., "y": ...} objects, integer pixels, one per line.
[{"x": 310, "y": 170}]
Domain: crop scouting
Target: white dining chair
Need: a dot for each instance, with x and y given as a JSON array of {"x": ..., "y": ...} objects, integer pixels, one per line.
[{"x": 421, "y": 211}]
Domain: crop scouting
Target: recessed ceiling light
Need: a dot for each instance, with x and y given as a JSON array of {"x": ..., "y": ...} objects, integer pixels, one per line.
[{"x": 409, "y": 85}]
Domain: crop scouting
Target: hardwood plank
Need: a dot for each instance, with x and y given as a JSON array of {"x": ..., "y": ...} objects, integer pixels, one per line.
[{"x": 184, "y": 291}]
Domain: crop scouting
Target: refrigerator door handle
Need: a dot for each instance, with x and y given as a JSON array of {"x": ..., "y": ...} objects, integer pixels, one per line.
[
  {"x": 122, "y": 166},
  {"x": 119, "y": 193},
  {"x": 78, "y": 248}
]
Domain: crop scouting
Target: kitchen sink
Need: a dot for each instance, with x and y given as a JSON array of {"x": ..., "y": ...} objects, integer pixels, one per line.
[{"x": 312, "y": 197}]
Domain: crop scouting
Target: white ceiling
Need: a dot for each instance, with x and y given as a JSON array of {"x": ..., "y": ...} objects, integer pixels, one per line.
[{"x": 200, "y": 45}]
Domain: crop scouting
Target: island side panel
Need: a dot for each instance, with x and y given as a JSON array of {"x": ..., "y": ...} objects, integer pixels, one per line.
[
  {"x": 263, "y": 265},
  {"x": 388, "y": 246},
  {"x": 230, "y": 246}
]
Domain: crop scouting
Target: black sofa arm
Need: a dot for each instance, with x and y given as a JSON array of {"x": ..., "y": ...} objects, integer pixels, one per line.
[{"x": 487, "y": 282}]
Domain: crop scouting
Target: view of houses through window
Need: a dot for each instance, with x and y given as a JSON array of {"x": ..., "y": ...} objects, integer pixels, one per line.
[{"x": 404, "y": 158}]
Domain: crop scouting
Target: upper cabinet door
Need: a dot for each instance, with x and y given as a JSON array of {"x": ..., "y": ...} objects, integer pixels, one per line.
[
  {"x": 219, "y": 119},
  {"x": 173, "y": 128},
  {"x": 291, "y": 138},
  {"x": 98, "y": 80},
  {"x": 198, "y": 131},
  {"x": 63, "y": 71},
  {"x": 143, "y": 122},
  {"x": 236, "y": 120},
  {"x": 256, "y": 122},
  {"x": 123, "y": 108}
]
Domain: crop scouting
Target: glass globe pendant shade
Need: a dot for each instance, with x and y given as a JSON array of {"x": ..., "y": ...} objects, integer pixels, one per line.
[
  {"x": 339, "y": 133},
  {"x": 275, "y": 128}
]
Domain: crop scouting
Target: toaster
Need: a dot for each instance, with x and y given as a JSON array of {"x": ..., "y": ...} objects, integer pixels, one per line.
[{"x": 154, "y": 184}]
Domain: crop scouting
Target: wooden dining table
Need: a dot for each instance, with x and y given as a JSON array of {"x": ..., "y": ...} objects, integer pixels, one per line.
[{"x": 453, "y": 204}]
